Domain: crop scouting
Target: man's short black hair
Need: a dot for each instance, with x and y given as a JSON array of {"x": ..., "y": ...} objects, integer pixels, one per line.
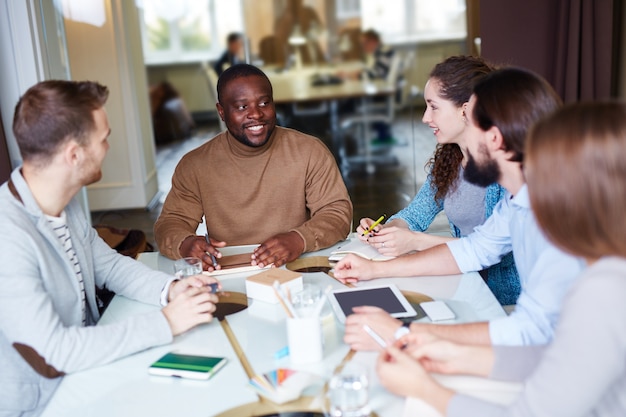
[
  {"x": 238, "y": 71},
  {"x": 233, "y": 37},
  {"x": 372, "y": 35}
]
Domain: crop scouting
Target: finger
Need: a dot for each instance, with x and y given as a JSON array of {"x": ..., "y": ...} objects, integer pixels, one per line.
[
  {"x": 367, "y": 310},
  {"x": 195, "y": 281},
  {"x": 217, "y": 244},
  {"x": 205, "y": 297},
  {"x": 385, "y": 231},
  {"x": 203, "y": 318},
  {"x": 269, "y": 256},
  {"x": 394, "y": 353},
  {"x": 202, "y": 280},
  {"x": 205, "y": 308},
  {"x": 260, "y": 251},
  {"x": 365, "y": 223}
]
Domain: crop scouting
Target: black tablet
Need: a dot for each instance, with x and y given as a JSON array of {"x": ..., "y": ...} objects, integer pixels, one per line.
[{"x": 387, "y": 297}]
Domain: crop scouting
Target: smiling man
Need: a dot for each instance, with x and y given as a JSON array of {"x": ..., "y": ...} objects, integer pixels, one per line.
[{"x": 254, "y": 183}]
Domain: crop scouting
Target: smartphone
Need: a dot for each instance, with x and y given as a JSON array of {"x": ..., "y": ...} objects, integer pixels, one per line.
[{"x": 187, "y": 366}]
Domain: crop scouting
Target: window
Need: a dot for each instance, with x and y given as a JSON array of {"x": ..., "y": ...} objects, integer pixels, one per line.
[
  {"x": 415, "y": 19},
  {"x": 187, "y": 30},
  {"x": 347, "y": 9}
]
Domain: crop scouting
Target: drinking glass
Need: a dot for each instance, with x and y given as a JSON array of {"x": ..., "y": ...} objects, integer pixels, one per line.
[
  {"x": 348, "y": 392},
  {"x": 187, "y": 267},
  {"x": 306, "y": 300}
]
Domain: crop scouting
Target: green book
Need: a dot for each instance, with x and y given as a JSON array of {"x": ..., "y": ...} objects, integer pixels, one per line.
[{"x": 187, "y": 366}]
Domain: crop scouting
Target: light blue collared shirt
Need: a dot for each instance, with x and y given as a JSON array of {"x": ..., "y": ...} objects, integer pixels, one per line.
[{"x": 546, "y": 273}]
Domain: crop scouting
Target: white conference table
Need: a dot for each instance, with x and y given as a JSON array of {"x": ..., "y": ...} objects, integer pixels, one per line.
[{"x": 124, "y": 388}]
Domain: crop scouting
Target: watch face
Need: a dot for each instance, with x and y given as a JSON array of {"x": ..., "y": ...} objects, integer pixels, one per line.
[{"x": 403, "y": 330}]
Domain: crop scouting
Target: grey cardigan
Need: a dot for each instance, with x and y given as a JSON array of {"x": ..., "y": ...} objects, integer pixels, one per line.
[
  {"x": 41, "y": 336},
  {"x": 583, "y": 372}
]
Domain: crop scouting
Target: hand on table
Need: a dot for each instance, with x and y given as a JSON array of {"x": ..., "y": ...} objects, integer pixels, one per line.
[
  {"x": 191, "y": 302},
  {"x": 278, "y": 250},
  {"x": 403, "y": 375},
  {"x": 353, "y": 268},
  {"x": 377, "y": 319},
  {"x": 445, "y": 357},
  {"x": 197, "y": 247}
]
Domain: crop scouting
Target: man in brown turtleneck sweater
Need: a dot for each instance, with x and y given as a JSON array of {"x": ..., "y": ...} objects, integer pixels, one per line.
[{"x": 254, "y": 183}]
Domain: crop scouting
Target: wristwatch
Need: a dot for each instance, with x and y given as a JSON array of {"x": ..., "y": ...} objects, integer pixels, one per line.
[{"x": 403, "y": 330}]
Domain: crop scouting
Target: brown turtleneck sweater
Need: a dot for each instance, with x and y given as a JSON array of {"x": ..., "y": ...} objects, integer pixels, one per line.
[{"x": 250, "y": 194}]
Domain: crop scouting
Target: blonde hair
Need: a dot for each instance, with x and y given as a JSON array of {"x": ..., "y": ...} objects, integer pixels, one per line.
[{"x": 576, "y": 174}]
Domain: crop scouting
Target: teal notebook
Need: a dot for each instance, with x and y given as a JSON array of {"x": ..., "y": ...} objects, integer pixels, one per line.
[{"x": 187, "y": 366}]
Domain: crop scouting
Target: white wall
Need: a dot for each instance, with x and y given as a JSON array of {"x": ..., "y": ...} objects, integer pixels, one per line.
[{"x": 111, "y": 54}]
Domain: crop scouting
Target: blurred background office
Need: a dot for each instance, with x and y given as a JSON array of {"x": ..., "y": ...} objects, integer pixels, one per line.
[{"x": 159, "y": 59}]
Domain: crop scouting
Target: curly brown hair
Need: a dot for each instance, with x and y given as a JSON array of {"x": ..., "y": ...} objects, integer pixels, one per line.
[{"x": 457, "y": 76}]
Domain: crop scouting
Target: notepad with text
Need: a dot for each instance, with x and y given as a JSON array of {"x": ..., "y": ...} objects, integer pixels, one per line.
[{"x": 359, "y": 248}]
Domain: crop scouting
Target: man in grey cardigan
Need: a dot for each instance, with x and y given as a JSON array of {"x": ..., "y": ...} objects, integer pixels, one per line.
[{"x": 52, "y": 260}]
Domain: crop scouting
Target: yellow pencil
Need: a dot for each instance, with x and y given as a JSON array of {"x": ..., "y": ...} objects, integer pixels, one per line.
[{"x": 376, "y": 223}]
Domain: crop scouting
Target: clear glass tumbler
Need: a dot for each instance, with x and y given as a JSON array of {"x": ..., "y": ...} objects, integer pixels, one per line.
[
  {"x": 187, "y": 267},
  {"x": 348, "y": 392}
]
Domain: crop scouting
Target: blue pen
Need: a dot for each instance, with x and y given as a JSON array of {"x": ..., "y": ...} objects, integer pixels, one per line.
[{"x": 208, "y": 242}]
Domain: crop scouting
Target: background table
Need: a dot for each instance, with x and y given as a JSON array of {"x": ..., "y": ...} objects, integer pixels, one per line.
[
  {"x": 295, "y": 87},
  {"x": 124, "y": 388}
]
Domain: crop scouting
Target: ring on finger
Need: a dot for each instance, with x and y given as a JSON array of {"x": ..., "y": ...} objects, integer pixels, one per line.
[{"x": 383, "y": 244}]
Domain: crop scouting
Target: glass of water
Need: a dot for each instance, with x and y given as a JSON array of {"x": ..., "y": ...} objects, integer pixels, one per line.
[
  {"x": 348, "y": 392},
  {"x": 187, "y": 267}
]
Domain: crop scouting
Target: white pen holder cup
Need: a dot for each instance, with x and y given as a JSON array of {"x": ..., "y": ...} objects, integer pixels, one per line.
[{"x": 304, "y": 337}]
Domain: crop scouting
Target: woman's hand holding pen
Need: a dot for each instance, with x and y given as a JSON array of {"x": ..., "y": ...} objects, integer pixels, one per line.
[
  {"x": 198, "y": 247},
  {"x": 364, "y": 225}
]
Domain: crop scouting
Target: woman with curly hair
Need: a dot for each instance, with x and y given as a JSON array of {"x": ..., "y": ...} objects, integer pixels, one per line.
[{"x": 447, "y": 92}]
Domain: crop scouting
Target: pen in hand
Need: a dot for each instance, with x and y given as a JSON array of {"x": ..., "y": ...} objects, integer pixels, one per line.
[
  {"x": 376, "y": 223},
  {"x": 379, "y": 340},
  {"x": 208, "y": 242}
]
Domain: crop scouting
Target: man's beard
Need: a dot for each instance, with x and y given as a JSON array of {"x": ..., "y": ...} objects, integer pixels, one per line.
[
  {"x": 483, "y": 174},
  {"x": 243, "y": 138}
]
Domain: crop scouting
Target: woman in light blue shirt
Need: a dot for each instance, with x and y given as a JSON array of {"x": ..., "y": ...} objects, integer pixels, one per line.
[{"x": 466, "y": 205}]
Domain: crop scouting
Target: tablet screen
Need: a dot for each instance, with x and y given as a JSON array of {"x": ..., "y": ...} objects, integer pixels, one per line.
[{"x": 377, "y": 297}]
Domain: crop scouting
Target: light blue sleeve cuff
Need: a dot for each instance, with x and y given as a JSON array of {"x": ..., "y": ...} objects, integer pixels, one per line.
[
  {"x": 515, "y": 330},
  {"x": 460, "y": 254}
]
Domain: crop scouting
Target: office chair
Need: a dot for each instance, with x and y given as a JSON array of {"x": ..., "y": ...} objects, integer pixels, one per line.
[{"x": 212, "y": 77}]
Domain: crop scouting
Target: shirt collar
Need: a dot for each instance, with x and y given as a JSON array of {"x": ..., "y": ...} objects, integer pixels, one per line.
[
  {"x": 240, "y": 149},
  {"x": 522, "y": 199}
]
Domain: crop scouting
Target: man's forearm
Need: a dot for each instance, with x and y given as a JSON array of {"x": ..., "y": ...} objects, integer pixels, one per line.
[
  {"x": 327, "y": 227},
  {"x": 467, "y": 333},
  {"x": 434, "y": 261},
  {"x": 169, "y": 235}
]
